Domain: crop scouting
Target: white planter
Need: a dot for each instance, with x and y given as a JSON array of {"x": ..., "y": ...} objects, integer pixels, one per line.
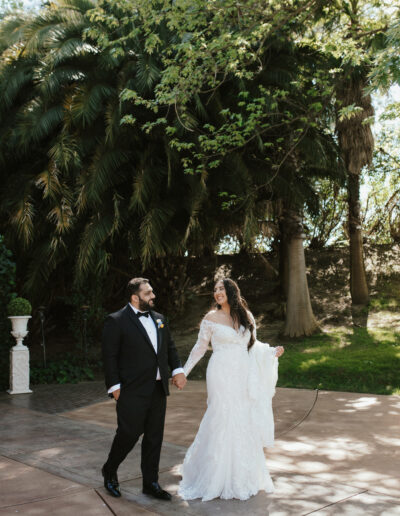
[
  {"x": 19, "y": 356},
  {"x": 19, "y": 328}
]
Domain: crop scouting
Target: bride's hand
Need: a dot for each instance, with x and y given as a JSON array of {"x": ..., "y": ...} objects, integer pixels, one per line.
[{"x": 279, "y": 351}]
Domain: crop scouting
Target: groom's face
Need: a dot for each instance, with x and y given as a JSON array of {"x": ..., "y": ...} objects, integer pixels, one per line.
[{"x": 145, "y": 297}]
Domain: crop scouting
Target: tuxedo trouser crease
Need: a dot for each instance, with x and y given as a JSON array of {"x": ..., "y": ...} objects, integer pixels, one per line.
[{"x": 139, "y": 415}]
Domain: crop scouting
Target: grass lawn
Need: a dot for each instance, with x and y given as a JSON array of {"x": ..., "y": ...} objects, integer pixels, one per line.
[{"x": 362, "y": 360}]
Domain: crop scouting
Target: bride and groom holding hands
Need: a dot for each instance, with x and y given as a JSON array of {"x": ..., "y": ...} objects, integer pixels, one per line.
[{"x": 226, "y": 459}]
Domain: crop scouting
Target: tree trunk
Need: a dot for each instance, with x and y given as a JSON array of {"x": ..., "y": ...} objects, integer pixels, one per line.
[
  {"x": 358, "y": 280},
  {"x": 283, "y": 261},
  {"x": 356, "y": 144},
  {"x": 300, "y": 319}
]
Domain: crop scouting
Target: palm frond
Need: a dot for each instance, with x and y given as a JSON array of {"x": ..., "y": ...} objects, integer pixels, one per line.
[
  {"x": 88, "y": 101},
  {"x": 152, "y": 227},
  {"x": 51, "y": 83},
  {"x": 147, "y": 72},
  {"x": 98, "y": 229},
  {"x": 13, "y": 79},
  {"x": 48, "y": 181},
  {"x": 22, "y": 219},
  {"x": 66, "y": 152},
  {"x": 37, "y": 122},
  {"x": 62, "y": 216},
  {"x": 104, "y": 171}
]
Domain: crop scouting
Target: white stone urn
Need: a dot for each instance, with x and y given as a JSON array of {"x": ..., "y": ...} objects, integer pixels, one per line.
[
  {"x": 19, "y": 356},
  {"x": 19, "y": 325}
]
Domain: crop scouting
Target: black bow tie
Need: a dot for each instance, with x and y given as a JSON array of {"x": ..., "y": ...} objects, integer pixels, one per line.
[{"x": 144, "y": 314}]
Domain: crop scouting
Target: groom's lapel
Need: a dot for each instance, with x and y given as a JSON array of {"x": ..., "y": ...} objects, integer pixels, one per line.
[
  {"x": 153, "y": 316},
  {"x": 135, "y": 319}
]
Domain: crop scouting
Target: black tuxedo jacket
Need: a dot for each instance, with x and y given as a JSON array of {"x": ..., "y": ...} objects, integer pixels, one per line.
[{"x": 128, "y": 354}]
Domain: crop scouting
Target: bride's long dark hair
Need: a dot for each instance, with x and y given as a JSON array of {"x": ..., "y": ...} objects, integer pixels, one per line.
[{"x": 239, "y": 308}]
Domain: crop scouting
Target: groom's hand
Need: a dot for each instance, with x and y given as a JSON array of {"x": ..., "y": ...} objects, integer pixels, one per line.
[
  {"x": 179, "y": 380},
  {"x": 116, "y": 394}
]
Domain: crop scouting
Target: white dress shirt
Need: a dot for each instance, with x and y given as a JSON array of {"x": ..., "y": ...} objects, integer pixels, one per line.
[{"x": 151, "y": 330}]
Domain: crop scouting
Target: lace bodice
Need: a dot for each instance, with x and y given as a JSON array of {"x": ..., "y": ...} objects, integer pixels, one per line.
[{"x": 221, "y": 337}]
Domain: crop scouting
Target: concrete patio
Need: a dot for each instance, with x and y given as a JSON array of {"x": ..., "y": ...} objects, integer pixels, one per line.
[{"x": 335, "y": 454}]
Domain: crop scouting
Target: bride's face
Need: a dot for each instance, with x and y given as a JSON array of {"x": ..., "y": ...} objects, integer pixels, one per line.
[{"x": 220, "y": 293}]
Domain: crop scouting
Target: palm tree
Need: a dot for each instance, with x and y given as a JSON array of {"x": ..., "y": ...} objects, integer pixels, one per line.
[
  {"x": 92, "y": 188},
  {"x": 357, "y": 145}
]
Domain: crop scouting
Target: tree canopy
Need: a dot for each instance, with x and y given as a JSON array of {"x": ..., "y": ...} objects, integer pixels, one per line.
[{"x": 134, "y": 131}]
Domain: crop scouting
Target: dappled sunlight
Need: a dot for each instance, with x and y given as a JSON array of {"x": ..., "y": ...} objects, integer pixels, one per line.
[
  {"x": 277, "y": 462},
  {"x": 295, "y": 446},
  {"x": 387, "y": 441},
  {"x": 341, "y": 448},
  {"x": 380, "y": 334},
  {"x": 312, "y": 350},
  {"x": 310, "y": 467},
  {"x": 312, "y": 362},
  {"x": 338, "y": 340},
  {"x": 365, "y": 402},
  {"x": 362, "y": 403},
  {"x": 50, "y": 453},
  {"x": 384, "y": 319},
  {"x": 336, "y": 449},
  {"x": 347, "y": 438}
]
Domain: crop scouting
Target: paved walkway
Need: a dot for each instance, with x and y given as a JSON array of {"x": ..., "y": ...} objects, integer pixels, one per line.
[{"x": 335, "y": 454}]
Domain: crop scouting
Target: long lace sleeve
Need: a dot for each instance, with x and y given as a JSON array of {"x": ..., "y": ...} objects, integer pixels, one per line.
[{"x": 200, "y": 347}]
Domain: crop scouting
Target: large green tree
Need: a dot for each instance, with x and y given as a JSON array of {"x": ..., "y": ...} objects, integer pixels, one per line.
[
  {"x": 141, "y": 131},
  {"x": 272, "y": 102}
]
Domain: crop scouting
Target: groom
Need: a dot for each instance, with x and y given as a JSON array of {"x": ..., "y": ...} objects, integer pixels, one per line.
[{"x": 137, "y": 351}]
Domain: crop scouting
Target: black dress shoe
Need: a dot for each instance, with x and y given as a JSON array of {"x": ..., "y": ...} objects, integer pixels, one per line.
[
  {"x": 154, "y": 489},
  {"x": 111, "y": 483}
]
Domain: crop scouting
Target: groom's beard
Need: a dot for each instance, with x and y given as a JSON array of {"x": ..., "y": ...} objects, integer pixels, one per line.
[{"x": 145, "y": 306}]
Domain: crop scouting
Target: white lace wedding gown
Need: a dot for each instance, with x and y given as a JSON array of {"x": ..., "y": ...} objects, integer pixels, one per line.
[{"x": 226, "y": 459}]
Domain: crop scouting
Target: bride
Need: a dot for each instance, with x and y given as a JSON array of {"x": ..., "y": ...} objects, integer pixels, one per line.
[{"x": 226, "y": 459}]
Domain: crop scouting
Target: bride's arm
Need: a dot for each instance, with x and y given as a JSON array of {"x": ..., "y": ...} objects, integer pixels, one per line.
[{"x": 200, "y": 347}]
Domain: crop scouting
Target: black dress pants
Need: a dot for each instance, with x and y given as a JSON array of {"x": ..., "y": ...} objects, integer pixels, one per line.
[{"x": 139, "y": 415}]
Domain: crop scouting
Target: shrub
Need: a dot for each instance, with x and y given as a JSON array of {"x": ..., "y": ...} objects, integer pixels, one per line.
[
  {"x": 7, "y": 288},
  {"x": 69, "y": 369},
  {"x": 19, "y": 306}
]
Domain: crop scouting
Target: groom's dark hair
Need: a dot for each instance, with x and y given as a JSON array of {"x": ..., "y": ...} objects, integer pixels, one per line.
[{"x": 133, "y": 286}]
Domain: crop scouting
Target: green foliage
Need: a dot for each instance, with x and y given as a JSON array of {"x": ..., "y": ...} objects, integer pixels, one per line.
[
  {"x": 7, "y": 289},
  {"x": 7, "y": 275},
  {"x": 131, "y": 127},
  {"x": 90, "y": 193},
  {"x": 70, "y": 369},
  {"x": 19, "y": 306},
  {"x": 381, "y": 209},
  {"x": 386, "y": 69},
  {"x": 86, "y": 301},
  {"x": 324, "y": 226}
]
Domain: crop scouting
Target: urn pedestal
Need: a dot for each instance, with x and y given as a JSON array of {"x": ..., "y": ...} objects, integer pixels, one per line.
[{"x": 19, "y": 356}]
